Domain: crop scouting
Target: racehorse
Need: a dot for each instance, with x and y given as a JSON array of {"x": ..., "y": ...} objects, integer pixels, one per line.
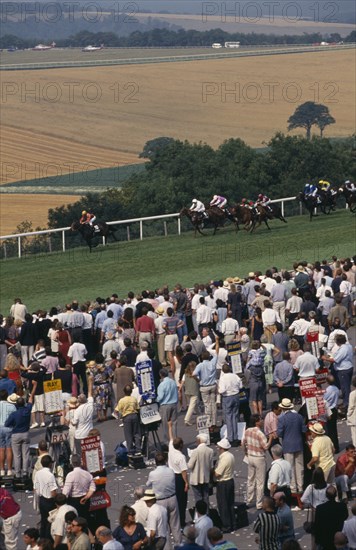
[
  {"x": 275, "y": 212},
  {"x": 88, "y": 233},
  {"x": 310, "y": 203},
  {"x": 328, "y": 200},
  {"x": 349, "y": 196},
  {"x": 215, "y": 217}
]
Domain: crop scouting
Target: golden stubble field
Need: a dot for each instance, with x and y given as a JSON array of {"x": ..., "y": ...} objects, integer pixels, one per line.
[
  {"x": 104, "y": 115},
  {"x": 15, "y": 209}
]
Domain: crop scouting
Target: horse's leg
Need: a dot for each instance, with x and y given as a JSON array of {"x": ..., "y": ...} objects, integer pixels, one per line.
[{"x": 266, "y": 222}]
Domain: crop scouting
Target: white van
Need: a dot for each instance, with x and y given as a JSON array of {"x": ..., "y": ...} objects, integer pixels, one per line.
[{"x": 216, "y": 45}]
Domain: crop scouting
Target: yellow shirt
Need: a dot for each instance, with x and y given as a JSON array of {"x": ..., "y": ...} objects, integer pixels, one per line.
[
  {"x": 127, "y": 405},
  {"x": 225, "y": 466},
  {"x": 322, "y": 448}
]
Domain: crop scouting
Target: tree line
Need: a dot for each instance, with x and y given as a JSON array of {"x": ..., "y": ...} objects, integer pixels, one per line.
[
  {"x": 166, "y": 37},
  {"x": 177, "y": 171}
]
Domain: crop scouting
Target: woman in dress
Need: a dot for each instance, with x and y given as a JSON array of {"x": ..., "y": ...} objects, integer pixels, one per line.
[
  {"x": 53, "y": 336},
  {"x": 102, "y": 388},
  {"x": 314, "y": 495},
  {"x": 131, "y": 534},
  {"x": 64, "y": 342},
  {"x": 12, "y": 331},
  {"x": 256, "y": 324}
]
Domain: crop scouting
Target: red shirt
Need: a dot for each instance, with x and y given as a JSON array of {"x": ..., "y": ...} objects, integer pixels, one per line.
[
  {"x": 341, "y": 464},
  {"x": 145, "y": 324},
  {"x": 8, "y": 506}
]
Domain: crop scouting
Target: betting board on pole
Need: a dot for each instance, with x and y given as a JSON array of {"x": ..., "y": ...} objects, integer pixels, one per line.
[
  {"x": 53, "y": 396},
  {"x": 144, "y": 377},
  {"x": 234, "y": 353},
  {"x": 203, "y": 425},
  {"x": 313, "y": 397},
  {"x": 92, "y": 456}
]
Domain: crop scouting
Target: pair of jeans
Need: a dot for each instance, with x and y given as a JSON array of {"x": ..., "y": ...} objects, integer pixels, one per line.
[
  {"x": 230, "y": 405},
  {"x": 182, "y": 331},
  {"x": 345, "y": 377}
]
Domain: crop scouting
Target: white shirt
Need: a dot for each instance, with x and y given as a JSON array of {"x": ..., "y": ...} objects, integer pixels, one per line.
[
  {"x": 345, "y": 288},
  {"x": 142, "y": 356},
  {"x": 88, "y": 321},
  {"x": 157, "y": 520},
  {"x": 202, "y": 524},
  {"x": 293, "y": 304},
  {"x": 207, "y": 341},
  {"x": 196, "y": 302},
  {"x": 77, "y": 352},
  {"x": 307, "y": 365},
  {"x": 45, "y": 483},
  {"x": 332, "y": 337},
  {"x": 58, "y": 526},
  {"x": 221, "y": 294},
  {"x": 158, "y": 326},
  {"x": 229, "y": 326},
  {"x": 269, "y": 283},
  {"x": 280, "y": 473},
  {"x": 300, "y": 327},
  {"x": 176, "y": 460},
  {"x": 221, "y": 357},
  {"x": 113, "y": 545},
  {"x": 204, "y": 314},
  {"x": 83, "y": 419},
  {"x": 320, "y": 293},
  {"x": 229, "y": 384},
  {"x": 270, "y": 317},
  {"x": 141, "y": 512},
  {"x": 349, "y": 529}
]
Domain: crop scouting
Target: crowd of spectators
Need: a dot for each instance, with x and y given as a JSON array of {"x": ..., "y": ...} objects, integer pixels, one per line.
[{"x": 288, "y": 326}]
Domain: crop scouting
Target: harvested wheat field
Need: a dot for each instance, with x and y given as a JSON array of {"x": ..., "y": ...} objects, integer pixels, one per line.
[
  {"x": 111, "y": 112},
  {"x": 15, "y": 209},
  {"x": 34, "y": 153}
]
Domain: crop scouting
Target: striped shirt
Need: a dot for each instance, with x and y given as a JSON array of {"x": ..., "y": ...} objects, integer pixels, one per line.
[
  {"x": 5, "y": 410},
  {"x": 255, "y": 441},
  {"x": 267, "y": 527},
  {"x": 171, "y": 324}
]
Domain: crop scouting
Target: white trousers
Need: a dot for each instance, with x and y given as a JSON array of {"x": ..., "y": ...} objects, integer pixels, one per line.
[{"x": 11, "y": 530}]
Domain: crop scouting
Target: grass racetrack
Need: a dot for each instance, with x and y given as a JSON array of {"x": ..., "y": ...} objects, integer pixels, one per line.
[{"x": 54, "y": 279}]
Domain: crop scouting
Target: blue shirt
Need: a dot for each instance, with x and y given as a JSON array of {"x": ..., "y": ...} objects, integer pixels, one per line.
[
  {"x": 8, "y": 385},
  {"x": 343, "y": 357},
  {"x": 167, "y": 393},
  {"x": 163, "y": 482},
  {"x": 286, "y": 518},
  {"x": 283, "y": 372},
  {"x": 290, "y": 428},
  {"x": 100, "y": 318},
  {"x": 206, "y": 372},
  {"x": 331, "y": 396},
  {"x": 20, "y": 419}
]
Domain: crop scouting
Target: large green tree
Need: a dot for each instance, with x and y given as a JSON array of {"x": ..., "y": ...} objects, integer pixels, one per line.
[{"x": 310, "y": 114}]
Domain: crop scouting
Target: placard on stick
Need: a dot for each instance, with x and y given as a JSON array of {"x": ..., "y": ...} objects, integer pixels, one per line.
[{"x": 53, "y": 396}]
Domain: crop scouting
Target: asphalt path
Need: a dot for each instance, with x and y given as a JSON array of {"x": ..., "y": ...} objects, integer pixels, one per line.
[{"x": 121, "y": 482}]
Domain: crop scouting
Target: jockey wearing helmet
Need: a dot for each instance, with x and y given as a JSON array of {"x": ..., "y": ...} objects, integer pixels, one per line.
[
  {"x": 197, "y": 206},
  {"x": 311, "y": 190},
  {"x": 89, "y": 218},
  {"x": 218, "y": 201},
  {"x": 350, "y": 186},
  {"x": 263, "y": 200},
  {"x": 324, "y": 185}
]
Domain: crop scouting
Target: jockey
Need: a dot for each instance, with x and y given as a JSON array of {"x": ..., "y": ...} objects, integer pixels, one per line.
[
  {"x": 247, "y": 203},
  {"x": 350, "y": 186},
  {"x": 218, "y": 201},
  {"x": 263, "y": 200},
  {"x": 197, "y": 206},
  {"x": 324, "y": 185},
  {"x": 89, "y": 218}
]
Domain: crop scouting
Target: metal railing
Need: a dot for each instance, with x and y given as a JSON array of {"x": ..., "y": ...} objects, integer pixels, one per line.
[{"x": 140, "y": 221}]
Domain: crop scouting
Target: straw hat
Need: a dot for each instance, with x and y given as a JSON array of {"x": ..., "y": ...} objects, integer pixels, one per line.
[
  {"x": 91, "y": 364},
  {"x": 12, "y": 398},
  {"x": 149, "y": 495},
  {"x": 251, "y": 274},
  {"x": 226, "y": 284},
  {"x": 300, "y": 268},
  {"x": 224, "y": 444},
  {"x": 160, "y": 310},
  {"x": 317, "y": 429},
  {"x": 237, "y": 280},
  {"x": 286, "y": 404},
  {"x": 230, "y": 280},
  {"x": 72, "y": 402}
]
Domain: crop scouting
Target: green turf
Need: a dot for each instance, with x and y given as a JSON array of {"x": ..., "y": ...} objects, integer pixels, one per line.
[
  {"x": 75, "y": 183},
  {"x": 55, "y": 279}
]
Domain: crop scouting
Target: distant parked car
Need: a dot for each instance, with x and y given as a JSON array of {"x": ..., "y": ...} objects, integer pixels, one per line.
[{"x": 216, "y": 45}]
